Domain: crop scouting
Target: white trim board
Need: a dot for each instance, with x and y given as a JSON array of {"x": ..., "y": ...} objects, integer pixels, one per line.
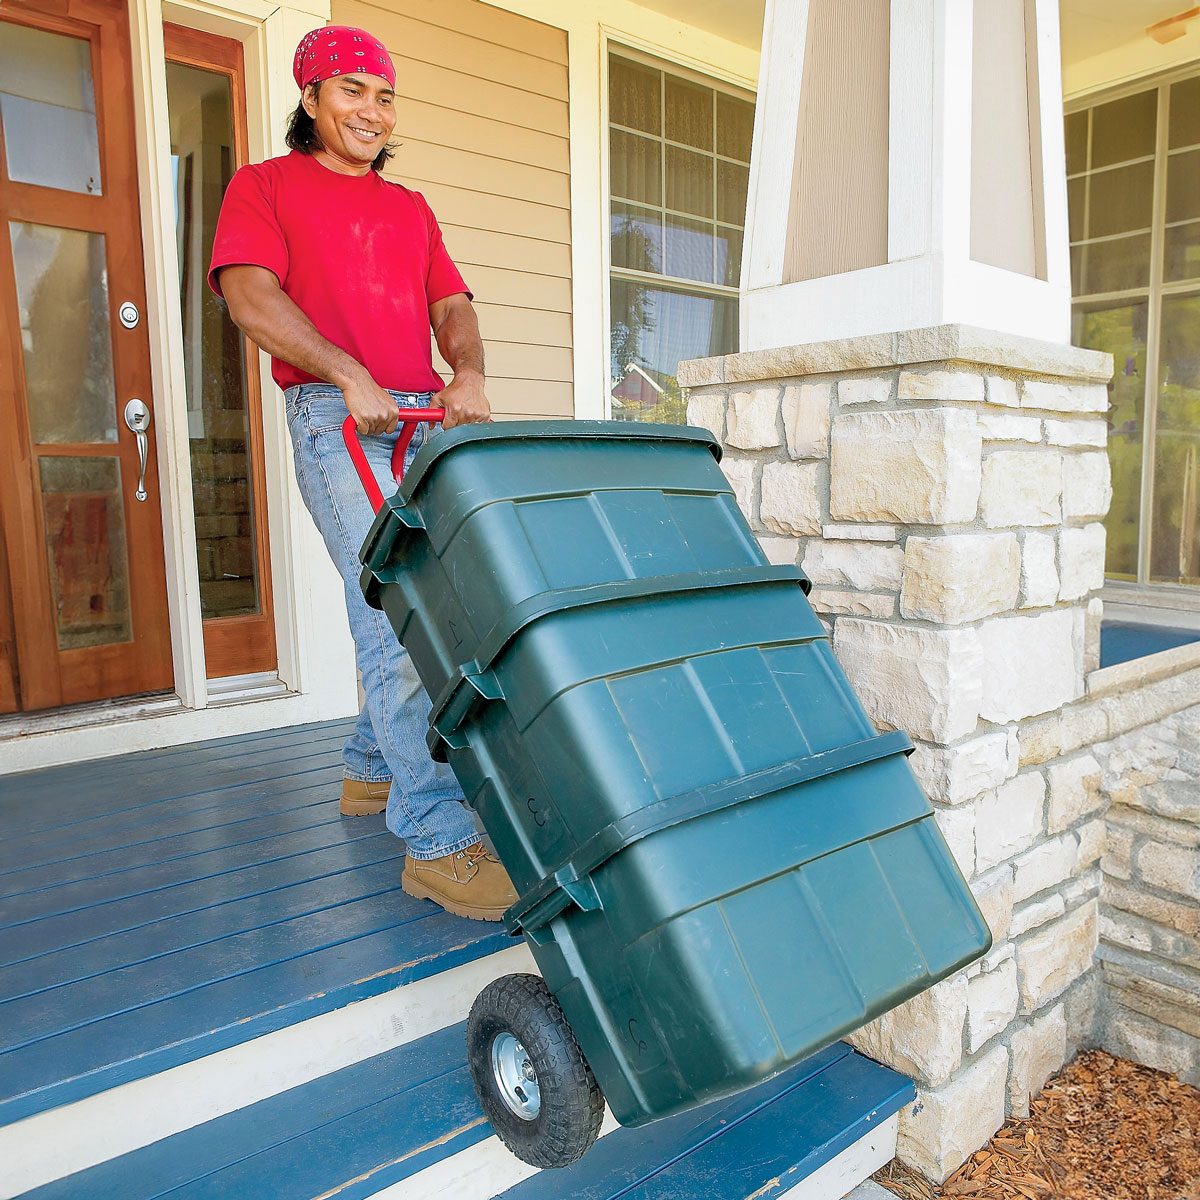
[{"x": 73, "y": 1137}]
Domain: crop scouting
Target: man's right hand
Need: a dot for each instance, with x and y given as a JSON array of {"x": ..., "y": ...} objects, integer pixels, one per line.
[{"x": 373, "y": 410}]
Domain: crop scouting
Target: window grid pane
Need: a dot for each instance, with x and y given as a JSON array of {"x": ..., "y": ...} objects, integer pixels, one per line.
[{"x": 677, "y": 212}]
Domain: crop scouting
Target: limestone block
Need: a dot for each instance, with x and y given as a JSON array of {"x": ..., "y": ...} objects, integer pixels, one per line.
[
  {"x": 942, "y": 1128},
  {"x": 1030, "y": 916},
  {"x": 1077, "y": 433},
  {"x": 780, "y": 551},
  {"x": 1009, "y": 427},
  {"x": 952, "y": 774},
  {"x": 1039, "y": 1050},
  {"x": 994, "y": 894},
  {"x": 1049, "y": 960},
  {"x": 1094, "y": 617},
  {"x": 754, "y": 419},
  {"x": 911, "y": 466},
  {"x": 1081, "y": 558},
  {"x": 865, "y": 389},
  {"x": 793, "y": 497},
  {"x": 1132, "y": 1035},
  {"x": 1080, "y": 1002},
  {"x": 958, "y": 828},
  {"x": 1029, "y": 665},
  {"x": 1083, "y": 887},
  {"x": 706, "y": 408},
  {"x": 1045, "y": 866},
  {"x": 838, "y": 532},
  {"x": 864, "y": 565},
  {"x": 1003, "y": 392},
  {"x": 853, "y": 604},
  {"x": 992, "y": 1000},
  {"x": 1082, "y": 725},
  {"x": 925, "y": 681},
  {"x": 1092, "y": 838},
  {"x": 923, "y": 1037},
  {"x": 1074, "y": 791},
  {"x": 740, "y": 473},
  {"x": 1172, "y": 868},
  {"x": 1087, "y": 485},
  {"x": 1118, "y": 853},
  {"x": 960, "y": 578},
  {"x": 1176, "y": 915},
  {"x": 1065, "y": 397},
  {"x": 940, "y": 385},
  {"x": 1009, "y": 819},
  {"x": 1039, "y": 571},
  {"x": 1021, "y": 487},
  {"x": 806, "y": 415}
]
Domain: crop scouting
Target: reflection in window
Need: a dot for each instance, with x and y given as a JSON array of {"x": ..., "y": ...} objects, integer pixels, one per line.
[
  {"x": 202, "y": 157},
  {"x": 1135, "y": 273},
  {"x": 48, "y": 110},
  {"x": 679, "y": 151}
]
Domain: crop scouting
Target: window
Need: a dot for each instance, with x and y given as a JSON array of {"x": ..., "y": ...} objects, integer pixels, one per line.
[
  {"x": 1133, "y": 189},
  {"x": 679, "y": 153}
]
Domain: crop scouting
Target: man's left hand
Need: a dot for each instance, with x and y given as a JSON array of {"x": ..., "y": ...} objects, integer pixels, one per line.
[{"x": 464, "y": 400}]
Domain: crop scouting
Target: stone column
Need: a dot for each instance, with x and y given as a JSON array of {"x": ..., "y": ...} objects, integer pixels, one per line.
[{"x": 943, "y": 489}]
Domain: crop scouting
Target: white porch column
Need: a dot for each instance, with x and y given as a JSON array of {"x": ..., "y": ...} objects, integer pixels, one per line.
[{"x": 907, "y": 171}]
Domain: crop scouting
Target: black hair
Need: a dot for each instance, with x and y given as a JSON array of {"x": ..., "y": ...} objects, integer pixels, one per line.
[{"x": 302, "y": 133}]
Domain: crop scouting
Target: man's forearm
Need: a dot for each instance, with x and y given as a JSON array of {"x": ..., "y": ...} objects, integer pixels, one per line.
[
  {"x": 275, "y": 323},
  {"x": 459, "y": 342}
]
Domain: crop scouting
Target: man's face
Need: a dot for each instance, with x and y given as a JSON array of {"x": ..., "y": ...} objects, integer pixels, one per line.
[{"x": 354, "y": 115}]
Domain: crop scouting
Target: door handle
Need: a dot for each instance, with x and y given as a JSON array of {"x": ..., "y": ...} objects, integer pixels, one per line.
[{"x": 137, "y": 418}]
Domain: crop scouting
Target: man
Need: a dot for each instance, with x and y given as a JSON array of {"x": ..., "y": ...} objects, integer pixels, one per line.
[{"x": 339, "y": 275}]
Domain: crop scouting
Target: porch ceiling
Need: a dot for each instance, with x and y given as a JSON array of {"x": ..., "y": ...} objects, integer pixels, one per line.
[
  {"x": 1090, "y": 27},
  {"x": 739, "y": 21}
]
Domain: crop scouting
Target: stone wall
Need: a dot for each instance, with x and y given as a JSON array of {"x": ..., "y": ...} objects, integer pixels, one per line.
[{"x": 1150, "y": 902}]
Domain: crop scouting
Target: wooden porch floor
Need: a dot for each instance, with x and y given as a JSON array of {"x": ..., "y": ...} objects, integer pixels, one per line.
[{"x": 161, "y": 906}]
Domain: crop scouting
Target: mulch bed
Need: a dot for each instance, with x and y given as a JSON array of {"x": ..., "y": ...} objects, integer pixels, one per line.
[{"x": 1104, "y": 1129}]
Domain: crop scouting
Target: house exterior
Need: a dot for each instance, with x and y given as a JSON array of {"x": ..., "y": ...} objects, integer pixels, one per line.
[{"x": 955, "y": 244}]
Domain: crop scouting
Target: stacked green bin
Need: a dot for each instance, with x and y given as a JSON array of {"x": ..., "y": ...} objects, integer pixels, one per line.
[{"x": 722, "y": 866}]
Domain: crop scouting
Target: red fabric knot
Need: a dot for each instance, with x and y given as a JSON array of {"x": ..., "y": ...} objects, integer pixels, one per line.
[{"x": 317, "y": 56}]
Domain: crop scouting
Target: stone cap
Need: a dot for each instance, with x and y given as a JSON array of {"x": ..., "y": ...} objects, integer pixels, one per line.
[{"x": 966, "y": 344}]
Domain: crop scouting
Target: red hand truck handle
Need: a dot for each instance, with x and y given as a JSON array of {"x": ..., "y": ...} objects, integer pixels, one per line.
[{"x": 410, "y": 418}]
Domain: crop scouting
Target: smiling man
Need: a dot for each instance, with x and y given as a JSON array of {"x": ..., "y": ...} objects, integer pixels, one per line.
[{"x": 339, "y": 275}]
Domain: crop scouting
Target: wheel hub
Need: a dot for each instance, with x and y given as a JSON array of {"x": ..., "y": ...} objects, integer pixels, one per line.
[{"x": 516, "y": 1080}]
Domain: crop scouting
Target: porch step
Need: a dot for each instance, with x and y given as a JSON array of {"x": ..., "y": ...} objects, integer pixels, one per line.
[
  {"x": 159, "y": 909},
  {"x": 406, "y": 1125}
]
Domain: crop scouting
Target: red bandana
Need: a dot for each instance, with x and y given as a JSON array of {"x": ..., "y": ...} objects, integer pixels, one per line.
[{"x": 340, "y": 50}]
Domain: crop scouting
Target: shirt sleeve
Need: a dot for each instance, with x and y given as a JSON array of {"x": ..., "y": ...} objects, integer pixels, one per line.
[
  {"x": 443, "y": 278},
  {"x": 248, "y": 232}
]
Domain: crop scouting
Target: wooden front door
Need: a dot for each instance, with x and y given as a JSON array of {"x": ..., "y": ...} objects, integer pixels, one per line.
[{"x": 83, "y": 613}]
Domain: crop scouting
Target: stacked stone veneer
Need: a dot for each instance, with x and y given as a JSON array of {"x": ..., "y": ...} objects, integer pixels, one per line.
[{"x": 943, "y": 490}]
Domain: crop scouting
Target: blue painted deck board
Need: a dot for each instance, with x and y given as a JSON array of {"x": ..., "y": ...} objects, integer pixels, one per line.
[
  {"x": 226, "y": 900},
  {"x": 1123, "y": 641},
  {"x": 375, "y": 1123}
]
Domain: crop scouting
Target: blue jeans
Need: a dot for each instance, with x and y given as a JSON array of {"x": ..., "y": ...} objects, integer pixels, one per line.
[{"x": 425, "y": 804}]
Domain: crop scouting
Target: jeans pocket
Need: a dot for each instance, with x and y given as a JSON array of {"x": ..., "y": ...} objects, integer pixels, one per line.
[{"x": 323, "y": 411}]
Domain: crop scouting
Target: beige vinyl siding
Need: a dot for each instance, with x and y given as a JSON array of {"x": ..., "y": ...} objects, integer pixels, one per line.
[{"x": 482, "y": 123}]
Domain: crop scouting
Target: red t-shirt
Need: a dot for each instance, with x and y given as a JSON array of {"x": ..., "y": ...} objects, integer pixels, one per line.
[{"x": 362, "y": 258}]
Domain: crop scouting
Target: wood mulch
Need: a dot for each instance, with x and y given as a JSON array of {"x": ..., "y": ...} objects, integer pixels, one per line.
[{"x": 1104, "y": 1129}]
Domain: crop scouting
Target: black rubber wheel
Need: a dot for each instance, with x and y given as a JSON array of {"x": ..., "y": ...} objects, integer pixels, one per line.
[{"x": 535, "y": 1086}]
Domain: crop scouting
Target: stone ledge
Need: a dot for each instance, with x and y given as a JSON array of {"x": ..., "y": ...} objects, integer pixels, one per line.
[
  {"x": 949, "y": 344},
  {"x": 1117, "y": 679}
]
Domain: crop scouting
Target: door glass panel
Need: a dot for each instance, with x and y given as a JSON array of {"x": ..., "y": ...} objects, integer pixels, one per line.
[
  {"x": 1121, "y": 331},
  {"x": 62, "y": 298},
  {"x": 85, "y": 546},
  {"x": 48, "y": 110},
  {"x": 1182, "y": 252},
  {"x": 202, "y": 158},
  {"x": 1124, "y": 129},
  {"x": 1184, "y": 128},
  {"x": 1121, "y": 200},
  {"x": 1175, "y": 533}
]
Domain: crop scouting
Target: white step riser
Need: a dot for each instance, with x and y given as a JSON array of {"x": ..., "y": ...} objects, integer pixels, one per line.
[
  {"x": 845, "y": 1171},
  {"x": 61, "y": 1141}
]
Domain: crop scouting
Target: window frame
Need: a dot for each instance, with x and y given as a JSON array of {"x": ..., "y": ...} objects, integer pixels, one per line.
[
  {"x": 692, "y": 71},
  {"x": 1153, "y": 293}
]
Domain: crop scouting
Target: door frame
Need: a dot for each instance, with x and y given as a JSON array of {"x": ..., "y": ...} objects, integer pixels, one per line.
[{"x": 244, "y": 644}]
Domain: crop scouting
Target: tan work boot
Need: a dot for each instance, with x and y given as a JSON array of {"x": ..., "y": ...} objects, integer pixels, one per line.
[
  {"x": 363, "y": 797},
  {"x": 469, "y": 883}
]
